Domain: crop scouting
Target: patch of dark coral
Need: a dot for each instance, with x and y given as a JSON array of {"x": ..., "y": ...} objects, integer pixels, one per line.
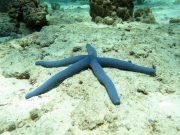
[
  {"x": 17, "y": 75},
  {"x": 24, "y": 75},
  {"x": 174, "y": 20},
  {"x": 113, "y": 8},
  {"x": 140, "y": 1},
  {"x": 144, "y": 15},
  {"x": 76, "y": 49},
  {"x": 7, "y": 28},
  {"x": 4, "y": 5},
  {"x": 31, "y": 12}
]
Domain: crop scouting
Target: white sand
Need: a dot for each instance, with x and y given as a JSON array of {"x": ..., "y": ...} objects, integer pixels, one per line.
[{"x": 85, "y": 109}]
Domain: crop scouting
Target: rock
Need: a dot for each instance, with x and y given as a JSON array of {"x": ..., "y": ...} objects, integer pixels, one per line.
[
  {"x": 153, "y": 125},
  {"x": 174, "y": 20},
  {"x": 139, "y": 54},
  {"x": 90, "y": 124},
  {"x": 31, "y": 12},
  {"x": 77, "y": 49},
  {"x": 108, "y": 20},
  {"x": 6, "y": 26},
  {"x": 142, "y": 90},
  {"x": 24, "y": 75},
  {"x": 20, "y": 124},
  {"x": 44, "y": 40},
  {"x": 4, "y": 5},
  {"x": 110, "y": 118},
  {"x": 166, "y": 89},
  {"x": 98, "y": 19},
  {"x": 55, "y": 6},
  {"x": 144, "y": 15},
  {"x": 35, "y": 114},
  {"x": 103, "y": 8},
  {"x": 1, "y": 130},
  {"x": 140, "y": 1},
  {"x": 123, "y": 12},
  {"x": 11, "y": 126},
  {"x": 18, "y": 75}
]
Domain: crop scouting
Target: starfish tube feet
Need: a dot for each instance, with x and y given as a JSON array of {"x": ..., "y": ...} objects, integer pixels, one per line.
[{"x": 54, "y": 80}]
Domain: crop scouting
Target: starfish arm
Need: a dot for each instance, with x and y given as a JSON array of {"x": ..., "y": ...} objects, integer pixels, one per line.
[
  {"x": 124, "y": 65},
  {"x": 59, "y": 77},
  {"x": 91, "y": 50},
  {"x": 59, "y": 63},
  {"x": 105, "y": 80}
]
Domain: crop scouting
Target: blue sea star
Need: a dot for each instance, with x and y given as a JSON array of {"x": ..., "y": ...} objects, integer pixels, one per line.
[{"x": 81, "y": 62}]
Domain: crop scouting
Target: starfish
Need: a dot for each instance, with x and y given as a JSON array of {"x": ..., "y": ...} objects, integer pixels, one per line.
[{"x": 82, "y": 62}]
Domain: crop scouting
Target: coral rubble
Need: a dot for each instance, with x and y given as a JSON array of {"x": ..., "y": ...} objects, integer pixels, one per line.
[{"x": 4, "y": 5}]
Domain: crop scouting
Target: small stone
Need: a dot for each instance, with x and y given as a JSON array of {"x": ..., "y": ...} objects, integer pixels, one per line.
[
  {"x": 94, "y": 124},
  {"x": 169, "y": 117},
  {"x": 144, "y": 15},
  {"x": 174, "y": 20},
  {"x": 131, "y": 53},
  {"x": 23, "y": 43},
  {"x": 34, "y": 114},
  {"x": 1, "y": 131},
  {"x": 113, "y": 14},
  {"x": 142, "y": 90},
  {"x": 110, "y": 118},
  {"x": 80, "y": 82},
  {"x": 24, "y": 75},
  {"x": 20, "y": 124},
  {"x": 90, "y": 124},
  {"x": 11, "y": 126},
  {"x": 108, "y": 20},
  {"x": 127, "y": 29},
  {"x": 73, "y": 123},
  {"x": 76, "y": 49},
  {"x": 153, "y": 125},
  {"x": 64, "y": 40},
  {"x": 166, "y": 90},
  {"x": 161, "y": 79},
  {"x": 55, "y": 6},
  {"x": 98, "y": 19}
]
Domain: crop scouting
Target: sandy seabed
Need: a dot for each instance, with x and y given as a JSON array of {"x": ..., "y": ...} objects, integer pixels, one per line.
[{"x": 150, "y": 105}]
